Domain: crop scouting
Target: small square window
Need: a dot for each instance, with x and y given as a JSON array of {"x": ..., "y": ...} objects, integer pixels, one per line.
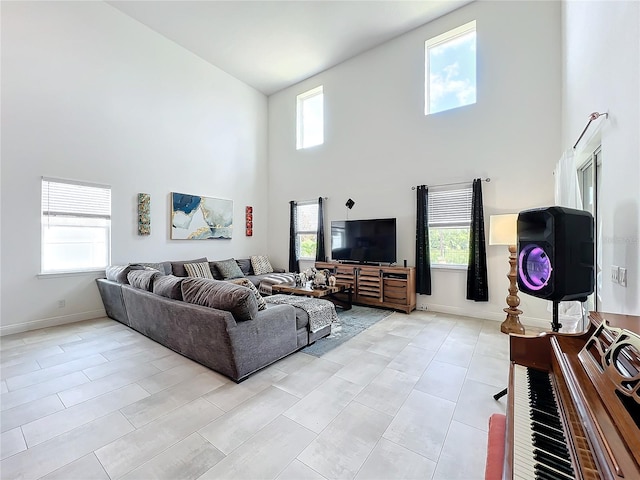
[
  {"x": 450, "y": 69},
  {"x": 310, "y": 121}
]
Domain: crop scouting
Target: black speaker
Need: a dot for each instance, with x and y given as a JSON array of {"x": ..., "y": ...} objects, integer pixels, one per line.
[
  {"x": 350, "y": 203},
  {"x": 556, "y": 253}
]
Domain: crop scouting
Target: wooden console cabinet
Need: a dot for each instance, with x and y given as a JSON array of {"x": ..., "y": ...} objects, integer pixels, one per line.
[{"x": 389, "y": 287}]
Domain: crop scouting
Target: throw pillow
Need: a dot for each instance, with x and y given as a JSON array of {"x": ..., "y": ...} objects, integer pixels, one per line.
[
  {"x": 163, "y": 267},
  {"x": 118, "y": 273},
  {"x": 261, "y": 264},
  {"x": 229, "y": 269},
  {"x": 168, "y": 286},
  {"x": 214, "y": 271},
  {"x": 177, "y": 268},
  {"x": 245, "y": 282},
  {"x": 237, "y": 300},
  {"x": 143, "y": 279},
  {"x": 245, "y": 266},
  {"x": 200, "y": 270}
]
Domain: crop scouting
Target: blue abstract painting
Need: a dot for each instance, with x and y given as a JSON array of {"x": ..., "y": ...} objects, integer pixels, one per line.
[{"x": 195, "y": 217}]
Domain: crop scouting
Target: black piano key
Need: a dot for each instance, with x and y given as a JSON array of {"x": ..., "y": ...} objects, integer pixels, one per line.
[
  {"x": 550, "y": 473},
  {"x": 550, "y": 445},
  {"x": 550, "y": 460}
]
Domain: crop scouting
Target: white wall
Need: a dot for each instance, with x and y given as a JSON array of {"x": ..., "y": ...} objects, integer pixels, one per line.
[
  {"x": 92, "y": 95},
  {"x": 378, "y": 142},
  {"x": 602, "y": 73}
]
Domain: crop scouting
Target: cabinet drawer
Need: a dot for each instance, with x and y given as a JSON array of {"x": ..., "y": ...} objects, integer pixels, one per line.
[
  {"x": 395, "y": 294},
  {"x": 388, "y": 282}
]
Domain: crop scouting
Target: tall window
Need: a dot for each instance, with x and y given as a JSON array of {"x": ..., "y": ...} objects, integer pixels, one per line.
[
  {"x": 310, "y": 118},
  {"x": 76, "y": 226},
  {"x": 449, "y": 225},
  {"x": 307, "y": 230},
  {"x": 450, "y": 69},
  {"x": 590, "y": 180}
]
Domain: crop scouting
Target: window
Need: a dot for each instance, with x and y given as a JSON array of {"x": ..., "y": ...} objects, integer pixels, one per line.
[
  {"x": 310, "y": 118},
  {"x": 307, "y": 230},
  {"x": 450, "y": 69},
  {"x": 76, "y": 226},
  {"x": 449, "y": 225}
]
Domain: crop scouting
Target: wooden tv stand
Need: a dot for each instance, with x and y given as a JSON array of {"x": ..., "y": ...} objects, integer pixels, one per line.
[{"x": 389, "y": 287}]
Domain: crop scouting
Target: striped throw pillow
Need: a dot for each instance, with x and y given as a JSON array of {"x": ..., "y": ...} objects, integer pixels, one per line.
[{"x": 200, "y": 270}]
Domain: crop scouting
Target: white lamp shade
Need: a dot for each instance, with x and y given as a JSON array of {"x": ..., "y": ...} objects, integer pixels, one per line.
[{"x": 503, "y": 229}]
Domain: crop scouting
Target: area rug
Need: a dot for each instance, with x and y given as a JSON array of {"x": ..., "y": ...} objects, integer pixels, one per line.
[{"x": 349, "y": 324}]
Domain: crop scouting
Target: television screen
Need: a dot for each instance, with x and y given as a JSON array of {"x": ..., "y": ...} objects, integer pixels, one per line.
[{"x": 364, "y": 241}]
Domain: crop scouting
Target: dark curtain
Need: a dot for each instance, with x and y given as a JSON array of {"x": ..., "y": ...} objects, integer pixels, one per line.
[
  {"x": 423, "y": 262},
  {"x": 293, "y": 238},
  {"x": 320, "y": 250},
  {"x": 477, "y": 287}
]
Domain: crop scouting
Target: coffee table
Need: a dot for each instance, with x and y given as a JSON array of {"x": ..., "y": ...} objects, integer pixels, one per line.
[{"x": 328, "y": 293}]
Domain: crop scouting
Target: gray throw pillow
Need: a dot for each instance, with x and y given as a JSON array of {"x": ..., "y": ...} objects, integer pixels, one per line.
[
  {"x": 177, "y": 268},
  {"x": 237, "y": 300},
  {"x": 163, "y": 267},
  {"x": 229, "y": 269},
  {"x": 168, "y": 286},
  {"x": 245, "y": 282},
  {"x": 245, "y": 266},
  {"x": 143, "y": 279},
  {"x": 214, "y": 271},
  {"x": 118, "y": 273}
]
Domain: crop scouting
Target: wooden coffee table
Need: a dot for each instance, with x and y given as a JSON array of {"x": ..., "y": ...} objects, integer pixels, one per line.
[{"x": 328, "y": 293}]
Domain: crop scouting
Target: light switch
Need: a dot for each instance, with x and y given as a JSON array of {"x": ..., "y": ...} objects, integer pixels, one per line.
[{"x": 614, "y": 273}]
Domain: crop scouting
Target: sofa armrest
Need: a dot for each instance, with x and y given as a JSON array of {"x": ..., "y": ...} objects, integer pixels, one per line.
[
  {"x": 265, "y": 339},
  {"x": 111, "y": 294}
]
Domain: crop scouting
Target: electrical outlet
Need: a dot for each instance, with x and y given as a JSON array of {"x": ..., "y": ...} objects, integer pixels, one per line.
[
  {"x": 62, "y": 303},
  {"x": 614, "y": 273},
  {"x": 622, "y": 276}
]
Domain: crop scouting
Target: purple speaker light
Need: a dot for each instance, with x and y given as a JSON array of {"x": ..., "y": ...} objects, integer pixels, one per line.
[{"x": 534, "y": 267}]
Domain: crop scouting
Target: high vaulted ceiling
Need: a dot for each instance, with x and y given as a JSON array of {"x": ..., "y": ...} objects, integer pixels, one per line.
[{"x": 271, "y": 45}]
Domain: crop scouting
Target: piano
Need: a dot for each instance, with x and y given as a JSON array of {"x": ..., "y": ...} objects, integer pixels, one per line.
[{"x": 573, "y": 406}]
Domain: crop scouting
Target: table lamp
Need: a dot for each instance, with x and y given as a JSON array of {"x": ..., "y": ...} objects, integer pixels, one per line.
[{"x": 503, "y": 230}]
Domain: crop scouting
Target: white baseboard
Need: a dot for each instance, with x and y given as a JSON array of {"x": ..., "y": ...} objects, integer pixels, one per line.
[
  {"x": 473, "y": 313},
  {"x": 50, "y": 322}
]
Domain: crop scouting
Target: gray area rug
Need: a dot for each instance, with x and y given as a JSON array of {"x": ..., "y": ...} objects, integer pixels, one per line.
[{"x": 349, "y": 324}]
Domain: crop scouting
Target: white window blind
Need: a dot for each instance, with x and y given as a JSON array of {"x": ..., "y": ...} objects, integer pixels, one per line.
[
  {"x": 65, "y": 198},
  {"x": 76, "y": 226},
  {"x": 450, "y": 208},
  {"x": 307, "y": 229}
]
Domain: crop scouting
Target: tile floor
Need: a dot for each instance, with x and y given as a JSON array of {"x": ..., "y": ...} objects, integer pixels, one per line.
[{"x": 408, "y": 398}]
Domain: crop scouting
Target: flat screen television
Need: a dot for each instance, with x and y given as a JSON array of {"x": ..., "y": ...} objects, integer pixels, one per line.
[{"x": 364, "y": 241}]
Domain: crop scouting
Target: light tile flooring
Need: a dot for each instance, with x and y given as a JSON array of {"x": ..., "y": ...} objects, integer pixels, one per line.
[{"x": 408, "y": 398}]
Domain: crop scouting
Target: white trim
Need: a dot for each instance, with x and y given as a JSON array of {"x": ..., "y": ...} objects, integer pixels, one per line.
[
  {"x": 71, "y": 273},
  {"x": 50, "y": 322}
]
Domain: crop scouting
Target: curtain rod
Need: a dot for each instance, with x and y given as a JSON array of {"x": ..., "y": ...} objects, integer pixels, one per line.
[
  {"x": 455, "y": 183},
  {"x": 311, "y": 200},
  {"x": 592, "y": 117}
]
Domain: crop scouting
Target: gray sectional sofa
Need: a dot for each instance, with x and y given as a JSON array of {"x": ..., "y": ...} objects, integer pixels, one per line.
[{"x": 213, "y": 322}]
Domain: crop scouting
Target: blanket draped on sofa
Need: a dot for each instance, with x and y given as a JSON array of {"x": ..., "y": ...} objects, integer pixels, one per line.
[
  {"x": 321, "y": 312},
  {"x": 269, "y": 281}
]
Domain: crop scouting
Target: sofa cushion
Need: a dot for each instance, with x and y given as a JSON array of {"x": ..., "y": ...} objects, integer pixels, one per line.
[
  {"x": 228, "y": 269},
  {"x": 245, "y": 282},
  {"x": 118, "y": 273},
  {"x": 261, "y": 264},
  {"x": 237, "y": 300},
  {"x": 245, "y": 266},
  {"x": 143, "y": 279},
  {"x": 177, "y": 268},
  {"x": 168, "y": 286},
  {"x": 200, "y": 270}
]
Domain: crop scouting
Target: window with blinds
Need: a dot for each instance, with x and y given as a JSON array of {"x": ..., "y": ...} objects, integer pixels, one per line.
[
  {"x": 449, "y": 225},
  {"x": 76, "y": 226}
]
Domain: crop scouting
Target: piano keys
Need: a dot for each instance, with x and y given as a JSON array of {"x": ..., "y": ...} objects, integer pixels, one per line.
[{"x": 573, "y": 410}]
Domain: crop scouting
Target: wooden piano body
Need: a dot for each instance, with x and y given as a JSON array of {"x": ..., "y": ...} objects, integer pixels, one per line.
[{"x": 596, "y": 381}]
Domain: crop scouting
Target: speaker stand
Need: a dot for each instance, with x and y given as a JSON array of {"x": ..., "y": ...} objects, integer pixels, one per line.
[{"x": 555, "y": 324}]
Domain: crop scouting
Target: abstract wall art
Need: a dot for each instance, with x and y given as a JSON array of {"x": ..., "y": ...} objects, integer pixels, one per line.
[
  {"x": 195, "y": 217},
  {"x": 144, "y": 214},
  {"x": 249, "y": 220}
]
